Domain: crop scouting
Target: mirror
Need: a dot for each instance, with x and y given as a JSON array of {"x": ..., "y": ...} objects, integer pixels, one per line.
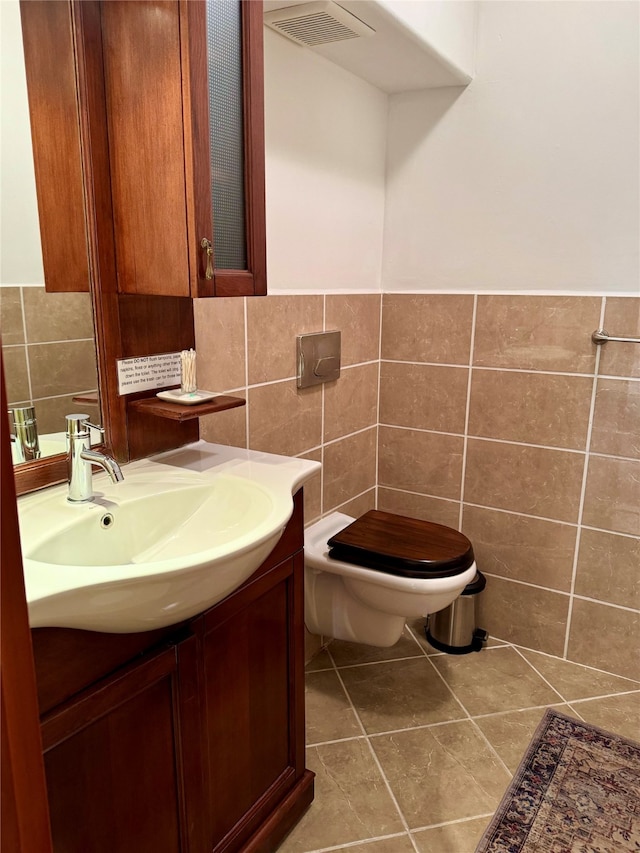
[{"x": 48, "y": 339}]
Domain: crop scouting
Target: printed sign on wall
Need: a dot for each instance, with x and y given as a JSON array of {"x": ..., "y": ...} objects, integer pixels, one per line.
[{"x": 148, "y": 371}]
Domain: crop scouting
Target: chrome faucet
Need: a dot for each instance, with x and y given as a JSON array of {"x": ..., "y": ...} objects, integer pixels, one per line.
[
  {"x": 25, "y": 434},
  {"x": 80, "y": 458}
]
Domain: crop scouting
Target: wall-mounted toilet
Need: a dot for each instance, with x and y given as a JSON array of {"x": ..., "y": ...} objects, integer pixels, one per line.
[{"x": 364, "y": 578}]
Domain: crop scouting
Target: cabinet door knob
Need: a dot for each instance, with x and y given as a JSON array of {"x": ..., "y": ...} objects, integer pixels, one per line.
[{"x": 206, "y": 245}]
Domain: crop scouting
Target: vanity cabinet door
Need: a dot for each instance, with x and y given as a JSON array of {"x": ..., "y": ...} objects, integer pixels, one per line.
[
  {"x": 113, "y": 762},
  {"x": 254, "y": 720},
  {"x": 170, "y": 210}
]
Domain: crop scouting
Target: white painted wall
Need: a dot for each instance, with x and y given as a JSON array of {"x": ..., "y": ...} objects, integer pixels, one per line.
[
  {"x": 528, "y": 179},
  {"x": 449, "y": 26},
  {"x": 20, "y": 252},
  {"x": 325, "y": 172}
]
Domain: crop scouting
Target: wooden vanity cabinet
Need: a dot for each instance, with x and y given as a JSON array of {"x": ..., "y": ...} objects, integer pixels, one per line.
[
  {"x": 158, "y": 117},
  {"x": 186, "y": 739}
]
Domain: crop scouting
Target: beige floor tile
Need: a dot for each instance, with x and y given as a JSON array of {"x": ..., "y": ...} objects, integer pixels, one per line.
[
  {"x": 399, "y": 694},
  {"x": 441, "y": 773},
  {"x": 397, "y": 844},
  {"x": 348, "y": 654},
  {"x": 319, "y": 661},
  {"x": 351, "y": 802},
  {"x": 574, "y": 681},
  {"x": 329, "y": 713},
  {"x": 494, "y": 680},
  {"x": 510, "y": 734},
  {"x": 459, "y": 837},
  {"x": 618, "y": 714}
]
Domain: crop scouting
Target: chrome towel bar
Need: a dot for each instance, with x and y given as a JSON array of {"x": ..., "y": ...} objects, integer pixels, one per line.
[{"x": 600, "y": 336}]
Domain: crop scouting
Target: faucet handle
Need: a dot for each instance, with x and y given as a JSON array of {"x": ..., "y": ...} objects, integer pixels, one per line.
[{"x": 98, "y": 428}]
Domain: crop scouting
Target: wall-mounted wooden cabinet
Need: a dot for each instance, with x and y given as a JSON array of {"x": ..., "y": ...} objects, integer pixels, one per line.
[
  {"x": 187, "y": 739},
  {"x": 184, "y": 86}
]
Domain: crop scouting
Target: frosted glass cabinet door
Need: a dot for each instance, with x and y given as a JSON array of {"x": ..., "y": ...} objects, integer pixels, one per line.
[
  {"x": 184, "y": 84},
  {"x": 232, "y": 153}
]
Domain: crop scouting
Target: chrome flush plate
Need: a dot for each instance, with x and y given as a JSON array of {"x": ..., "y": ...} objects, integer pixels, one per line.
[{"x": 318, "y": 358}]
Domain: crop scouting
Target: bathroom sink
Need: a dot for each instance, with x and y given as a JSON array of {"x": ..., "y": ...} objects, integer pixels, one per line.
[{"x": 160, "y": 547}]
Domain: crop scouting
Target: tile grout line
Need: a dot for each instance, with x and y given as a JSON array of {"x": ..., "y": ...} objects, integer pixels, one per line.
[
  {"x": 583, "y": 489},
  {"x": 469, "y": 717},
  {"x": 540, "y": 675},
  {"x": 373, "y": 753},
  {"x": 488, "y": 368},
  {"x": 465, "y": 443},
  {"x": 26, "y": 346}
]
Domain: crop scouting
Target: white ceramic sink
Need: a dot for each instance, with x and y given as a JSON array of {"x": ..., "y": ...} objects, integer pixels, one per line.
[{"x": 180, "y": 533}]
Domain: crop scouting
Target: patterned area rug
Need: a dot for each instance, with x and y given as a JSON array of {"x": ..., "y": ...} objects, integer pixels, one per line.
[{"x": 577, "y": 790}]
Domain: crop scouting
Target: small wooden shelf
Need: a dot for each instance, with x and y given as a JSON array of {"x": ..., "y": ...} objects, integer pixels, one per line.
[{"x": 176, "y": 412}]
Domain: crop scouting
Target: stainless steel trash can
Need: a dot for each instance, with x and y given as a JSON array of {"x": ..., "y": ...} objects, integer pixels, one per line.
[{"x": 453, "y": 629}]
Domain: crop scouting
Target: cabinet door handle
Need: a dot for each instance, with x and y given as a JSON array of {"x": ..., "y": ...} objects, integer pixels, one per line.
[{"x": 206, "y": 245}]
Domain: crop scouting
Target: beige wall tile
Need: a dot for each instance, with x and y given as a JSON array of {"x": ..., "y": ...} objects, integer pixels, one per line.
[
  {"x": 419, "y": 506},
  {"x": 358, "y": 506},
  {"x": 621, "y": 319},
  {"x": 430, "y": 328},
  {"x": 425, "y": 462},
  {"x": 357, "y": 316},
  {"x": 351, "y": 402},
  {"x": 609, "y": 568},
  {"x": 272, "y": 325},
  {"x": 229, "y": 427},
  {"x": 11, "y": 323},
  {"x": 220, "y": 344},
  {"x": 423, "y": 396},
  {"x": 313, "y": 490},
  {"x": 612, "y": 497},
  {"x": 57, "y": 316},
  {"x": 524, "y": 615},
  {"x": 285, "y": 419},
  {"x": 605, "y": 637},
  {"x": 51, "y": 413},
  {"x": 537, "y": 332},
  {"x": 531, "y": 480},
  {"x": 15, "y": 373},
  {"x": 465, "y": 777},
  {"x": 535, "y": 408},
  {"x": 349, "y": 468},
  {"x": 616, "y": 421},
  {"x": 62, "y": 368},
  {"x": 521, "y": 548}
]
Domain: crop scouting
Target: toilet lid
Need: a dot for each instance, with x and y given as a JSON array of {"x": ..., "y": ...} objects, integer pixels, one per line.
[{"x": 402, "y": 546}]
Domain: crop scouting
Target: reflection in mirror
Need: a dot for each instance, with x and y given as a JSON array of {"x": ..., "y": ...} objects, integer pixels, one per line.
[{"x": 47, "y": 338}]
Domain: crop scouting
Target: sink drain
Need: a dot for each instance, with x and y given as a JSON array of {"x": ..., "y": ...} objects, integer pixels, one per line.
[{"x": 107, "y": 520}]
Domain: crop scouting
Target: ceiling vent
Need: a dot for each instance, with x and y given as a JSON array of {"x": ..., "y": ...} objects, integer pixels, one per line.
[{"x": 317, "y": 23}]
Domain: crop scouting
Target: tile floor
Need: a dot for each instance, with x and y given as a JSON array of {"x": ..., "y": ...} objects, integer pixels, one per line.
[{"x": 413, "y": 749}]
